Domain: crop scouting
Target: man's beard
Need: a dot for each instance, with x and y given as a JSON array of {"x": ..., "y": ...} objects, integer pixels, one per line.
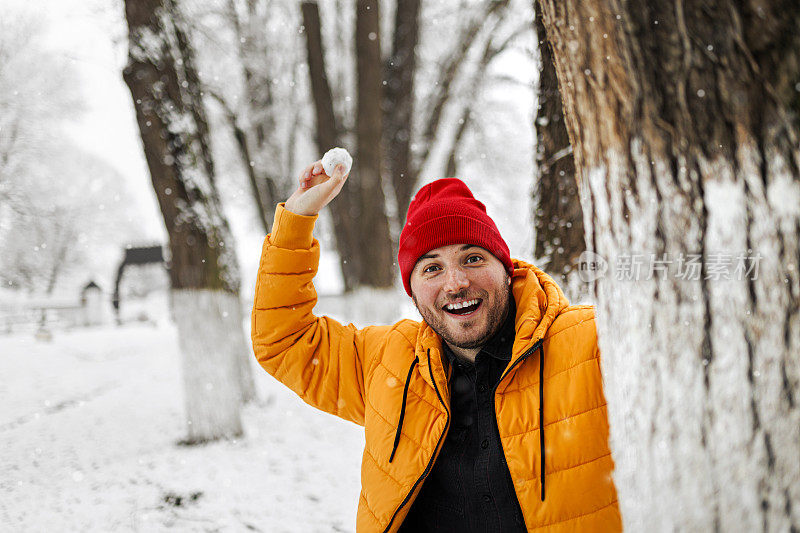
[{"x": 495, "y": 317}]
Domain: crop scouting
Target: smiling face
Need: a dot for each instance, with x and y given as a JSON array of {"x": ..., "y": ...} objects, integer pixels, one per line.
[{"x": 462, "y": 292}]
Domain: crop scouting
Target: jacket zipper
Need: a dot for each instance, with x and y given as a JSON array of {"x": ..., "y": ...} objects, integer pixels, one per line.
[
  {"x": 435, "y": 450},
  {"x": 518, "y": 361},
  {"x": 494, "y": 408}
]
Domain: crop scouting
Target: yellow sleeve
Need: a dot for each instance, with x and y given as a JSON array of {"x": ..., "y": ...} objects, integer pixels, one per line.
[{"x": 318, "y": 358}]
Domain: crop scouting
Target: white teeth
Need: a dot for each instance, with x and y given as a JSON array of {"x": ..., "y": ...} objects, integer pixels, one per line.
[{"x": 452, "y": 307}]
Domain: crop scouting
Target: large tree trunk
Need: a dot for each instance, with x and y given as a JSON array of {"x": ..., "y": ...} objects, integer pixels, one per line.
[
  {"x": 203, "y": 270},
  {"x": 193, "y": 91},
  {"x": 684, "y": 121},
  {"x": 375, "y": 266},
  {"x": 557, "y": 216}
]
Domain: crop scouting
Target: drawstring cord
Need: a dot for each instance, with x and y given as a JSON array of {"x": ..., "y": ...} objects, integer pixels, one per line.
[
  {"x": 541, "y": 413},
  {"x": 403, "y": 408}
]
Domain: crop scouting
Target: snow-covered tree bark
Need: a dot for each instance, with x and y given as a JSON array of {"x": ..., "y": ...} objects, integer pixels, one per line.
[
  {"x": 208, "y": 324},
  {"x": 684, "y": 121},
  {"x": 557, "y": 215},
  {"x": 203, "y": 268}
]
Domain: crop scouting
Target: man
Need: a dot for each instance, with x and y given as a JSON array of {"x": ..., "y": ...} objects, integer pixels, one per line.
[{"x": 452, "y": 406}]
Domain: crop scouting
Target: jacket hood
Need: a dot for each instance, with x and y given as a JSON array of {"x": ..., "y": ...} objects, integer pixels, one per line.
[{"x": 539, "y": 301}]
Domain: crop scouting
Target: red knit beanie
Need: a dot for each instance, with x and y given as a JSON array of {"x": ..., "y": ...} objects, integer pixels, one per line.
[{"x": 442, "y": 213}]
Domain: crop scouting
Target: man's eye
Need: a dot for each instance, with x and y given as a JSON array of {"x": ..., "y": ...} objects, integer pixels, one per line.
[
  {"x": 473, "y": 259},
  {"x": 430, "y": 268}
]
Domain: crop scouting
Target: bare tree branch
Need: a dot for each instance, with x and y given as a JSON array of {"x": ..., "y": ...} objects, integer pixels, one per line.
[{"x": 443, "y": 87}]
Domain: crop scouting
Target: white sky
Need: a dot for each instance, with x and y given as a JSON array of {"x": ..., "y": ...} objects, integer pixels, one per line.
[{"x": 83, "y": 33}]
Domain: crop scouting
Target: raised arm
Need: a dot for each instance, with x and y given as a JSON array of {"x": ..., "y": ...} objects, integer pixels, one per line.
[{"x": 318, "y": 358}]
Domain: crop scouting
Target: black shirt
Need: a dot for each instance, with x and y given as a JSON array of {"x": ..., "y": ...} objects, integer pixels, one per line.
[{"x": 469, "y": 487}]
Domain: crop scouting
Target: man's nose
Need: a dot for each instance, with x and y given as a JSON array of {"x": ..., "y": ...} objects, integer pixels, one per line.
[{"x": 455, "y": 280}]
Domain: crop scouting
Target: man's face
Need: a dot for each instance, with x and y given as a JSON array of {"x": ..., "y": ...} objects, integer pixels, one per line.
[{"x": 447, "y": 278}]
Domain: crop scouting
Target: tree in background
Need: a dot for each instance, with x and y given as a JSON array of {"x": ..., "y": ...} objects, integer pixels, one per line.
[
  {"x": 685, "y": 123},
  {"x": 34, "y": 87},
  {"x": 398, "y": 106},
  {"x": 65, "y": 216},
  {"x": 499, "y": 39},
  {"x": 328, "y": 133},
  {"x": 415, "y": 129},
  {"x": 361, "y": 223},
  {"x": 367, "y": 202},
  {"x": 281, "y": 92},
  {"x": 265, "y": 113},
  {"x": 204, "y": 273},
  {"x": 457, "y": 77},
  {"x": 557, "y": 215}
]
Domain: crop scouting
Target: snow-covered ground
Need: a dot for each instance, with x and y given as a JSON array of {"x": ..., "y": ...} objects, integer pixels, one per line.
[{"x": 89, "y": 426}]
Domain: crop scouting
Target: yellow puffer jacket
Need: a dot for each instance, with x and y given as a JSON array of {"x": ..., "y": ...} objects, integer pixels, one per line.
[{"x": 370, "y": 375}]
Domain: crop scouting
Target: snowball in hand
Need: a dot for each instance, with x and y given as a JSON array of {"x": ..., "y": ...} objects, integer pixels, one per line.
[{"x": 336, "y": 156}]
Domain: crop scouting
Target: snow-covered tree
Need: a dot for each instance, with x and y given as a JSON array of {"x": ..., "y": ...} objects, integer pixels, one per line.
[
  {"x": 36, "y": 91},
  {"x": 204, "y": 274},
  {"x": 685, "y": 123},
  {"x": 67, "y": 217},
  {"x": 557, "y": 215},
  {"x": 251, "y": 69}
]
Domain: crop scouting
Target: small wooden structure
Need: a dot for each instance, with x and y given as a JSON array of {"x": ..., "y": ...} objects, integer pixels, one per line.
[
  {"x": 137, "y": 256},
  {"x": 92, "y": 305}
]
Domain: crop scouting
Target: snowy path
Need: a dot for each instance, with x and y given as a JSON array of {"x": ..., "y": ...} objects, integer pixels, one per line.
[{"x": 88, "y": 432}]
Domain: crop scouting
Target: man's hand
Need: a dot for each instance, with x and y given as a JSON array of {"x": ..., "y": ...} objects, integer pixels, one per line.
[{"x": 316, "y": 189}]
